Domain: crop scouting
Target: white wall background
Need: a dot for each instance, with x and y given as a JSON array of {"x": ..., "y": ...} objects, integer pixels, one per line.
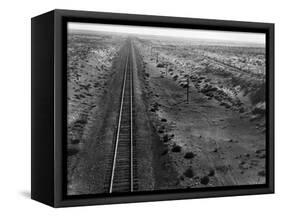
[{"x": 15, "y": 106}]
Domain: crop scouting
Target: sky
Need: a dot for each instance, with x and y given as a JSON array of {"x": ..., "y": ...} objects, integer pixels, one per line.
[{"x": 258, "y": 38}]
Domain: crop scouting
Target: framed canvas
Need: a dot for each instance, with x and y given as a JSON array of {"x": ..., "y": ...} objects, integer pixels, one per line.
[{"x": 131, "y": 108}]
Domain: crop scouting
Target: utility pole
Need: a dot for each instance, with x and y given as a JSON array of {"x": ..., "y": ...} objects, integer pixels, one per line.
[
  {"x": 187, "y": 89},
  {"x": 187, "y": 85},
  {"x": 156, "y": 57}
]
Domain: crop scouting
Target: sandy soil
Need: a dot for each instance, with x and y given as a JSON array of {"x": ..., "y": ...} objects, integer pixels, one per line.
[
  {"x": 89, "y": 166},
  {"x": 92, "y": 88},
  {"x": 208, "y": 144},
  {"x": 216, "y": 139},
  {"x": 154, "y": 170}
]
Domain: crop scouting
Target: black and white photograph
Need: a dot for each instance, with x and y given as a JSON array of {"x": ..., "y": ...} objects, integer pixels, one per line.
[
  {"x": 156, "y": 109},
  {"x": 140, "y": 108}
]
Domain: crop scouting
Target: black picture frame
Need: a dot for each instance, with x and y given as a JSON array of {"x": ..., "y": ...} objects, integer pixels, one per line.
[{"x": 48, "y": 37}]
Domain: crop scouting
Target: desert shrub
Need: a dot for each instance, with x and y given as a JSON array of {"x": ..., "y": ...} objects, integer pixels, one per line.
[
  {"x": 160, "y": 65},
  {"x": 164, "y": 152},
  {"x": 75, "y": 141},
  {"x": 189, "y": 155},
  {"x": 176, "y": 148},
  {"x": 72, "y": 151},
  {"x": 211, "y": 172},
  {"x": 235, "y": 81},
  {"x": 175, "y": 77},
  {"x": 204, "y": 180},
  {"x": 261, "y": 173},
  {"x": 166, "y": 138},
  {"x": 259, "y": 108},
  {"x": 258, "y": 95},
  {"x": 189, "y": 173}
]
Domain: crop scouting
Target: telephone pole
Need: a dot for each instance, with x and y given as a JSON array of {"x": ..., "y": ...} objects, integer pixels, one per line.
[
  {"x": 187, "y": 85},
  {"x": 187, "y": 89},
  {"x": 156, "y": 57}
]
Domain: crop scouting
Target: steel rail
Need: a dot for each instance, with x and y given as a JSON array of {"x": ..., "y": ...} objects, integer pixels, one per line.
[
  {"x": 132, "y": 157},
  {"x": 127, "y": 88}
]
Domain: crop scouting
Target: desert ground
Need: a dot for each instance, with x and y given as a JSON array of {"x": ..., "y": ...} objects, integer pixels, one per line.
[{"x": 199, "y": 111}]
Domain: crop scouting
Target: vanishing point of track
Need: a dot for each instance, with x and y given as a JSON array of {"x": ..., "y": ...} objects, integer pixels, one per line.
[{"x": 122, "y": 169}]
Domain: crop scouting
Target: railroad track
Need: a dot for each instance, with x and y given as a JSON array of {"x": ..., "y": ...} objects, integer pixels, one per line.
[{"x": 123, "y": 163}]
